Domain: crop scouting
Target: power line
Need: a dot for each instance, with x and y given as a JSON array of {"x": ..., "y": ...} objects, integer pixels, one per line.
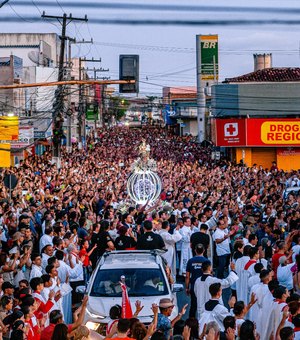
[
  {"x": 3, "y": 3},
  {"x": 172, "y": 22},
  {"x": 166, "y": 7}
]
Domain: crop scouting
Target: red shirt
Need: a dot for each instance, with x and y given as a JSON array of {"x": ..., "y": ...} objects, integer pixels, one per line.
[
  {"x": 86, "y": 260},
  {"x": 48, "y": 331},
  {"x": 275, "y": 262}
]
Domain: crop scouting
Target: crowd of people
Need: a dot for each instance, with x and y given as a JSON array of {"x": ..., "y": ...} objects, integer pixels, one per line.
[{"x": 222, "y": 226}]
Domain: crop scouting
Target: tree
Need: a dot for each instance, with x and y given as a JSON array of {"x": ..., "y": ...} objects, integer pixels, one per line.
[{"x": 117, "y": 107}]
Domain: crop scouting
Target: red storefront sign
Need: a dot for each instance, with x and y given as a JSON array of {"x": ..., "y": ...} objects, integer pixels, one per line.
[
  {"x": 258, "y": 132},
  {"x": 273, "y": 132},
  {"x": 230, "y": 132}
]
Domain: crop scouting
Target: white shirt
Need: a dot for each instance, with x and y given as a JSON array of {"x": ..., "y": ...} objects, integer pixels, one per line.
[
  {"x": 285, "y": 276},
  {"x": 222, "y": 247},
  {"x": 79, "y": 277},
  {"x": 201, "y": 288},
  {"x": 296, "y": 251},
  {"x": 36, "y": 271},
  {"x": 44, "y": 241},
  {"x": 45, "y": 258}
]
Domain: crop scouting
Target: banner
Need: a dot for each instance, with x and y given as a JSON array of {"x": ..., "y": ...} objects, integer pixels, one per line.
[
  {"x": 230, "y": 132},
  {"x": 9, "y": 128},
  {"x": 126, "y": 306},
  {"x": 264, "y": 132},
  {"x": 5, "y": 155},
  {"x": 273, "y": 132}
]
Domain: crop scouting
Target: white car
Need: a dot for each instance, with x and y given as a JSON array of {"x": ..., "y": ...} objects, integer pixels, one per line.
[{"x": 145, "y": 278}]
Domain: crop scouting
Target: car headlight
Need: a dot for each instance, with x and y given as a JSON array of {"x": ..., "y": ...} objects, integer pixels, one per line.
[
  {"x": 92, "y": 325},
  {"x": 95, "y": 316}
]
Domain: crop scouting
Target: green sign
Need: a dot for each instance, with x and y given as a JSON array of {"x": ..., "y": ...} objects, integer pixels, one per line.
[
  {"x": 209, "y": 57},
  {"x": 92, "y": 113}
]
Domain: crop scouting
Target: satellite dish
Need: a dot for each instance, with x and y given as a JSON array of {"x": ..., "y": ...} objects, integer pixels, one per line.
[
  {"x": 34, "y": 56},
  {"x": 38, "y": 58}
]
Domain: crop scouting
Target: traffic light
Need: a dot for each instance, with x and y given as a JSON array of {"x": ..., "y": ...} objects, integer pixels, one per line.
[
  {"x": 58, "y": 132},
  {"x": 129, "y": 70}
]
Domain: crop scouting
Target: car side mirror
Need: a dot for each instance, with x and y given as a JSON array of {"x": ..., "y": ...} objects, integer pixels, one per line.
[
  {"x": 177, "y": 287},
  {"x": 81, "y": 289}
]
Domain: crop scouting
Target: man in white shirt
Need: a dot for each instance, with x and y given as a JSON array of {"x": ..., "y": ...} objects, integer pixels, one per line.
[
  {"x": 213, "y": 310},
  {"x": 46, "y": 238},
  {"x": 180, "y": 209},
  {"x": 170, "y": 241},
  {"x": 203, "y": 283},
  {"x": 47, "y": 252},
  {"x": 284, "y": 273},
  {"x": 260, "y": 290},
  {"x": 221, "y": 237},
  {"x": 36, "y": 268},
  {"x": 73, "y": 260}
]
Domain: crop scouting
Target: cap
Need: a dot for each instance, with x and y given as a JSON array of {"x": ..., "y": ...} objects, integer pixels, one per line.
[
  {"x": 251, "y": 220},
  {"x": 7, "y": 285},
  {"x": 165, "y": 303},
  {"x": 282, "y": 259}
]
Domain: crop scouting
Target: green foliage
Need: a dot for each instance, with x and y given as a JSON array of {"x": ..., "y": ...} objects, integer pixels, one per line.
[{"x": 117, "y": 107}]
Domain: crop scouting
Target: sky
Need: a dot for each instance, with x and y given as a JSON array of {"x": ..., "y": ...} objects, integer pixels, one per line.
[{"x": 167, "y": 53}]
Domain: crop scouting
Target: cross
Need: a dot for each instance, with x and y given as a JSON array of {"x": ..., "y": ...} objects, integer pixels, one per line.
[{"x": 230, "y": 129}]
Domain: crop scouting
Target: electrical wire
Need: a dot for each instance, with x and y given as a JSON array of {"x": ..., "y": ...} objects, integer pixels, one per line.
[
  {"x": 171, "y": 22},
  {"x": 167, "y": 7}
]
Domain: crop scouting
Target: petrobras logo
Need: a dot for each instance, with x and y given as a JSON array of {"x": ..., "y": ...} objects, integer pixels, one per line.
[{"x": 231, "y": 130}]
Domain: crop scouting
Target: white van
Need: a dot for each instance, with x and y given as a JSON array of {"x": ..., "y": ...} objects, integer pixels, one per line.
[{"x": 145, "y": 278}]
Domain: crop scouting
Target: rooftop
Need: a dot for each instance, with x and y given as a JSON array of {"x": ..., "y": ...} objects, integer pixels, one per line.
[{"x": 273, "y": 74}]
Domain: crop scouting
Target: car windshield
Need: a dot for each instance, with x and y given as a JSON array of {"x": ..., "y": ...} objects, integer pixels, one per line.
[{"x": 139, "y": 282}]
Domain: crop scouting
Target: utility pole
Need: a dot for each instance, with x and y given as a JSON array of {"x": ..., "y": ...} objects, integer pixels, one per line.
[
  {"x": 97, "y": 104},
  {"x": 82, "y": 102},
  {"x": 58, "y": 107},
  {"x": 70, "y": 64}
]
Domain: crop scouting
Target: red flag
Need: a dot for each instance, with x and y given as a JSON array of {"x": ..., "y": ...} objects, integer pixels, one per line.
[{"x": 126, "y": 307}]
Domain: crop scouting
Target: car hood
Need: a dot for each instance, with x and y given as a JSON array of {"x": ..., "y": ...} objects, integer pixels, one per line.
[{"x": 101, "y": 305}]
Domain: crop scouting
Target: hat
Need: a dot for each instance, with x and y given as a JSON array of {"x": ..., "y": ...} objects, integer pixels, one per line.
[
  {"x": 165, "y": 303},
  {"x": 7, "y": 285},
  {"x": 16, "y": 236},
  {"x": 282, "y": 259},
  {"x": 251, "y": 220}
]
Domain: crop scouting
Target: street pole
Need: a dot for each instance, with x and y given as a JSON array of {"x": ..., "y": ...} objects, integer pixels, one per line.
[
  {"x": 82, "y": 101},
  {"x": 58, "y": 107},
  {"x": 200, "y": 94},
  {"x": 70, "y": 118}
]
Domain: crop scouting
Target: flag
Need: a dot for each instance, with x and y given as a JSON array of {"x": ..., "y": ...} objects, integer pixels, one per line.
[{"x": 126, "y": 307}]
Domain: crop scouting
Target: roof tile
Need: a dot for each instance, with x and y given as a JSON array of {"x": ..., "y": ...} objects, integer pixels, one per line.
[{"x": 274, "y": 74}]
